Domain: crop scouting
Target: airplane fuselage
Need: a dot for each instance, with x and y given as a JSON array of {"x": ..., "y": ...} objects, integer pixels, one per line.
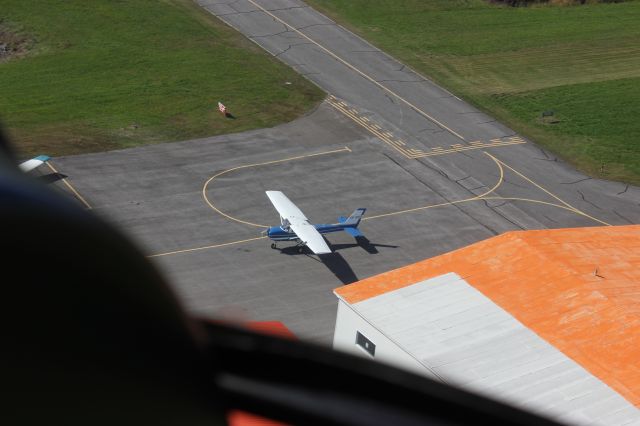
[{"x": 280, "y": 233}]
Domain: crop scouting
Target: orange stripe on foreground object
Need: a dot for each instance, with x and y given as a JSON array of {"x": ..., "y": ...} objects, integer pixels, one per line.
[
  {"x": 579, "y": 289},
  {"x": 241, "y": 418},
  {"x": 274, "y": 328}
]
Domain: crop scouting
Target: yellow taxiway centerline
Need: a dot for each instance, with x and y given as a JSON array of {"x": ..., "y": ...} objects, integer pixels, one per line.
[
  {"x": 574, "y": 209},
  {"x": 299, "y": 157},
  {"x": 448, "y": 203},
  {"x": 482, "y": 197},
  {"x": 207, "y": 247},
  {"x": 352, "y": 67},
  {"x": 64, "y": 180}
]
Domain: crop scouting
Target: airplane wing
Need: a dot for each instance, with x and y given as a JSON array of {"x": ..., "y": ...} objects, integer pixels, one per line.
[
  {"x": 311, "y": 237},
  {"x": 298, "y": 222},
  {"x": 285, "y": 207},
  {"x": 33, "y": 163}
]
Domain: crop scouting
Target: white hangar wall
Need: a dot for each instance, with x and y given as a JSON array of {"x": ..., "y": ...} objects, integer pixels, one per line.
[{"x": 349, "y": 324}]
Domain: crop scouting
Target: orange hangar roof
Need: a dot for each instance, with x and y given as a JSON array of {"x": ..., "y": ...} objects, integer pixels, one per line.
[{"x": 578, "y": 289}]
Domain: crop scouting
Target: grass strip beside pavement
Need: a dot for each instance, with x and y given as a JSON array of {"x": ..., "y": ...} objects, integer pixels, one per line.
[
  {"x": 581, "y": 62},
  {"x": 108, "y": 74}
]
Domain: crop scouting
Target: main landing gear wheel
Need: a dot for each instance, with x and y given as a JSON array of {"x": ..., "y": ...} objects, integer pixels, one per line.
[
  {"x": 300, "y": 249},
  {"x": 273, "y": 245}
]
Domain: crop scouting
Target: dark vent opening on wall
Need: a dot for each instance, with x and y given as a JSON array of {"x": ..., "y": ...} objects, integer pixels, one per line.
[{"x": 365, "y": 344}]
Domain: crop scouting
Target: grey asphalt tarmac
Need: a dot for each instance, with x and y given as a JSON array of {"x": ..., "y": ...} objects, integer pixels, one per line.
[{"x": 434, "y": 173}]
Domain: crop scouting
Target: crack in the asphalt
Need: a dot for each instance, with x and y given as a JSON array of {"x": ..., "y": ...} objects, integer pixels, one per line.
[
  {"x": 226, "y": 14},
  {"x": 505, "y": 180},
  {"x": 219, "y": 4},
  {"x": 577, "y": 181},
  {"x": 626, "y": 188},
  {"x": 543, "y": 152},
  {"x": 587, "y": 201},
  {"x": 456, "y": 206},
  {"x": 486, "y": 203},
  {"x": 315, "y": 25},
  {"x": 546, "y": 156},
  {"x": 549, "y": 219},
  {"x": 287, "y": 8},
  {"x": 289, "y": 47},
  {"x": 517, "y": 225},
  {"x": 436, "y": 169},
  {"x": 476, "y": 188},
  {"x": 239, "y": 12},
  {"x": 230, "y": 5},
  {"x": 487, "y": 122},
  {"x": 286, "y": 30},
  {"x": 622, "y": 217},
  {"x": 465, "y": 154},
  {"x": 400, "y": 81},
  {"x": 390, "y": 98}
]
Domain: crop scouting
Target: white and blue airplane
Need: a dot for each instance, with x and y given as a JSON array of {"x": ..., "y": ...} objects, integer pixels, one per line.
[
  {"x": 36, "y": 162},
  {"x": 294, "y": 225}
]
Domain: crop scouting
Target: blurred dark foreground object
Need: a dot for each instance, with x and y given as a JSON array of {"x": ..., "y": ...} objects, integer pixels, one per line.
[{"x": 92, "y": 335}]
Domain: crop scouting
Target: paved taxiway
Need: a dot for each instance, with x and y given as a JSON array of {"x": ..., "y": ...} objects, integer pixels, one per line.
[
  {"x": 162, "y": 196},
  {"x": 434, "y": 174}
]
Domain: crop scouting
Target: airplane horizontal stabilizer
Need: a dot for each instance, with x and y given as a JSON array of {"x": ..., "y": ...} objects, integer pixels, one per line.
[{"x": 355, "y": 232}]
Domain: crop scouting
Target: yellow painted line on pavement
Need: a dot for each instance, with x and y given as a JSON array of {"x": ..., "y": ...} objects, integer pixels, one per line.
[
  {"x": 299, "y": 157},
  {"x": 564, "y": 205},
  {"x": 529, "y": 200},
  {"x": 356, "y": 118},
  {"x": 482, "y": 197},
  {"x": 448, "y": 203},
  {"x": 574, "y": 209},
  {"x": 207, "y": 247},
  {"x": 441, "y": 151},
  {"x": 352, "y": 67},
  {"x": 71, "y": 188},
  {"x": 413, "y": 153}
]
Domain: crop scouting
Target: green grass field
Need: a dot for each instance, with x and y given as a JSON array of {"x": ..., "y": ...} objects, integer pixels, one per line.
[
  {"x": 581, "y": 62},
  {"x": 106, "y": 74}
]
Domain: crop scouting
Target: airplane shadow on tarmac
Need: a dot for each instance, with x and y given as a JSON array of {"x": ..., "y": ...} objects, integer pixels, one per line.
[
  {"x": 334, "y": 261},
  {"x": 51, "y": 177},
  {"x": 363, "y": 242}
]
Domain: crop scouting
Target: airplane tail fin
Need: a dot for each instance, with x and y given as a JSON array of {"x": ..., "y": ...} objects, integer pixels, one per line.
[{"x": 354, "y": 219}]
